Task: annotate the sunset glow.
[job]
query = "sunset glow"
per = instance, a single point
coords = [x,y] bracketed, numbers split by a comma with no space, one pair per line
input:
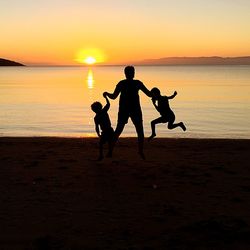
[90,56]
[46,32]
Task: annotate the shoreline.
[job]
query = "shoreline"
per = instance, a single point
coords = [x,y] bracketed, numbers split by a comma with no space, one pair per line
[188,193]
[120,138]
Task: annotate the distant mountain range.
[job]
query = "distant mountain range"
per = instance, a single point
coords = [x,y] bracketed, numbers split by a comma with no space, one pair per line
[213,60]
[5,62]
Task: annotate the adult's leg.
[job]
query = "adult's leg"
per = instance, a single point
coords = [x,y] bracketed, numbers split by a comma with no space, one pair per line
[153,123]
[121,122]
[110,143]
[119,128]
[140,134]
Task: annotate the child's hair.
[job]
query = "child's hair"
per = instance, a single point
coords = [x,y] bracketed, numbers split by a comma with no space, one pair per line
[96,106]
[155,91]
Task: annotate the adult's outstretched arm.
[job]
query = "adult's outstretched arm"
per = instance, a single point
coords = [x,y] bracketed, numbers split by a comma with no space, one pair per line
[114,94]
[145,90]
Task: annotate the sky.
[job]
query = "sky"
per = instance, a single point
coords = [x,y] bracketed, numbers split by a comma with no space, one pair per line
[65,32]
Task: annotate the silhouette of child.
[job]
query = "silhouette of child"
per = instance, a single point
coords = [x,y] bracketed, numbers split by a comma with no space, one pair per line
[167,115]
[102,120]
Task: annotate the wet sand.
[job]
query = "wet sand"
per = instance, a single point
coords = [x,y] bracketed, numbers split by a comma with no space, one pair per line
[187,194]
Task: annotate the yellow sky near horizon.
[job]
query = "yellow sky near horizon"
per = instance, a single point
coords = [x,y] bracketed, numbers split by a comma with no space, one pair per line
[56,31]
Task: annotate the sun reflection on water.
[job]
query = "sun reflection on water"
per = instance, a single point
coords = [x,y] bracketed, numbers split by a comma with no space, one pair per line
[90,79]
[90,85]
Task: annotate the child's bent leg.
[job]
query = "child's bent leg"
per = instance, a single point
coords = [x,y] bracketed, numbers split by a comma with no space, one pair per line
[183,126]
[153,123]
[172,125]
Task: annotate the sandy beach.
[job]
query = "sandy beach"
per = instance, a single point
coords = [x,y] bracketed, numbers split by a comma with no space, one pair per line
[187,194]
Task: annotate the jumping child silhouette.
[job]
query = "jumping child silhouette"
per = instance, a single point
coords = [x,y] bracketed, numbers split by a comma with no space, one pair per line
[102,119]
[167,115]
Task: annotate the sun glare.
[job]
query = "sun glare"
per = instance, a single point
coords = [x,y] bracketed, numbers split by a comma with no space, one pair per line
[90,56]
[90,60]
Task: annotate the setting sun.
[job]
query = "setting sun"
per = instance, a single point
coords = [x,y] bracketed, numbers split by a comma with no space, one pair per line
[90,56]
[90,60]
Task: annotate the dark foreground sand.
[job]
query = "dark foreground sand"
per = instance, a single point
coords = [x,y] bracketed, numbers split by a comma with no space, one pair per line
[188,194]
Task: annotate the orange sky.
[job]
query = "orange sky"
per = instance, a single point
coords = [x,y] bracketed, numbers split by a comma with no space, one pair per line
[57,31]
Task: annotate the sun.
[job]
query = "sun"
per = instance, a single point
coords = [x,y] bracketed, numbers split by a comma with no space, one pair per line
[90,60]
[90,56]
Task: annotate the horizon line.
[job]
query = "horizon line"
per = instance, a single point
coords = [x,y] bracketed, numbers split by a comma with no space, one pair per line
[123,65]
[156,62]
[149,62]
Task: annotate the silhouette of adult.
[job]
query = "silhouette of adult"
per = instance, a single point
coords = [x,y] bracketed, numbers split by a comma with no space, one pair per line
[129,105]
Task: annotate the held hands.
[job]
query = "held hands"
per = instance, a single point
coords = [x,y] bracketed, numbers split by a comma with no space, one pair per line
[105,95]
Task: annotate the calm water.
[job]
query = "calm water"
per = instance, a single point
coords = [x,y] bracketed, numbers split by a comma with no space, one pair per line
[213,101]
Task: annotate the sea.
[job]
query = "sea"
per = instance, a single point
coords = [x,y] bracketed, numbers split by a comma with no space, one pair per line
[212,101]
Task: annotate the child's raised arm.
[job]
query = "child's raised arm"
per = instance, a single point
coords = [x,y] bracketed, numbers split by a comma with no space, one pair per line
[172,96]
[107,106]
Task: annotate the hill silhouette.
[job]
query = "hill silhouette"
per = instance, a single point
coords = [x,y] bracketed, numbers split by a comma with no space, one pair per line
[5,62]
[213,60]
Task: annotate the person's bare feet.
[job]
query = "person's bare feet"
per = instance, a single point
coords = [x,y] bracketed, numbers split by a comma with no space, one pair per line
[183,126]
[151,137]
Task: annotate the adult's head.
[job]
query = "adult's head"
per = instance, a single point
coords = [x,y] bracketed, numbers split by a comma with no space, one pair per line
[129,72]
